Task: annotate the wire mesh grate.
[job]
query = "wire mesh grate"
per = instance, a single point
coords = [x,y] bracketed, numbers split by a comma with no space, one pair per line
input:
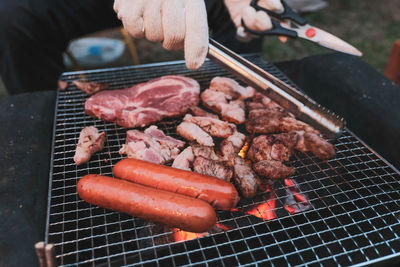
[351,216]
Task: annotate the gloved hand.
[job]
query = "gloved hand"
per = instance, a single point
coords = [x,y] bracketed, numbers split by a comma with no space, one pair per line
[255,20]
[176,23]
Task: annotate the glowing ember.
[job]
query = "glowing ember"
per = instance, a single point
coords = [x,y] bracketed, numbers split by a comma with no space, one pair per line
[180,236]
[242,152]
[265,210]
[295,201]
[223,227]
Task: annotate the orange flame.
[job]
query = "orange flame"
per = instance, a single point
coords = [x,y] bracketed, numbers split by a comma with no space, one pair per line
[242,152]
[264,210]
[180,235]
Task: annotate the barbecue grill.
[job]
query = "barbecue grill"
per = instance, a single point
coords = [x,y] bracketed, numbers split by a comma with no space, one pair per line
[344,211]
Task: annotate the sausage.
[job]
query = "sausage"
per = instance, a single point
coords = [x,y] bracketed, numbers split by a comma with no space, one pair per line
[174,210]
[220,194]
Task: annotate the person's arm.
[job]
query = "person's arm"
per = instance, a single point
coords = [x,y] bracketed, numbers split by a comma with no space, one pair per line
[183,23]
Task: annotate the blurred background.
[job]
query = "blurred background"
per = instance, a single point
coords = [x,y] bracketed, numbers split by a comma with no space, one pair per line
[370,25]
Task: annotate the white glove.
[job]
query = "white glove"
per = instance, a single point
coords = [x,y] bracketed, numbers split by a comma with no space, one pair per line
[254,20]
[176,23]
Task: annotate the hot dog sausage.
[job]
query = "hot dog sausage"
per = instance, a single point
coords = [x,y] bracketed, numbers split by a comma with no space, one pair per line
[167,208]
[220,194]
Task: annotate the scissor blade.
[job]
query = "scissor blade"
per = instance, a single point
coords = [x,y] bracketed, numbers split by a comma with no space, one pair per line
[326,39]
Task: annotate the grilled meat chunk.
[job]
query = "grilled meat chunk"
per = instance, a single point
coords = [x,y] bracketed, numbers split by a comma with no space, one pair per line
[191,132]
[90,141]
[183,160]
[273,169]
[231,87]
[90,88]
[212,168]
[196,111]
[269,147]
[213,127]
[231,146]
[317,145]
[280,146]
[204,151]
[245,178]
[275,121]
[219,102]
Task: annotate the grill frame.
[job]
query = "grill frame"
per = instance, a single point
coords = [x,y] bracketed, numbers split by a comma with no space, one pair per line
[350,148]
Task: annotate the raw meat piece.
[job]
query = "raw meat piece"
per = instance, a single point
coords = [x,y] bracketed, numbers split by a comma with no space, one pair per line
[273,169]
[90,142]
[191,132]
[196,111]
[90,88]
[231,87]
[246,179]
[213,127]
[183,160]
[145,103]
[152,145]
[212,168]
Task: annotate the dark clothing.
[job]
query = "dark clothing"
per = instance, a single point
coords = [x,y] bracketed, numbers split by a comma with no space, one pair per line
[35,33]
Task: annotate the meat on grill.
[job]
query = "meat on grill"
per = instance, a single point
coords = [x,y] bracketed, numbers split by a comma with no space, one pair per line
[90,88]
[204,151]
[152,145]
[184,159]
[269,147]
[316,145]
[231,87]
[212,168]
[231,146]
[273,169]
[213,127]
[275,120]
[263,101]
[219,102]
[193,132]
[245,178]
[196,111]
[280,146]
[145,103]
[90,141]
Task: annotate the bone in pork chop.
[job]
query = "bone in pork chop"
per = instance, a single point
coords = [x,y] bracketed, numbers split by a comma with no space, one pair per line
[213,127]
[90,141]
[145,103]
[152,146]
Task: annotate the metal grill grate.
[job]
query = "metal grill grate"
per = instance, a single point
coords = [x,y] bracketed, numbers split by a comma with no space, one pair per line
[353,217]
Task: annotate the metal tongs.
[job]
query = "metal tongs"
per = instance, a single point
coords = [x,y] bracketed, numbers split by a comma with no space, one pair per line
[303,107]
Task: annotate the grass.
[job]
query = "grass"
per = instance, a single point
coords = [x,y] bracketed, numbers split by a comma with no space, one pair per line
[371,26]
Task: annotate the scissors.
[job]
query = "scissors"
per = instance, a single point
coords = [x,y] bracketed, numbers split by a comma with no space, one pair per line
[288,23]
